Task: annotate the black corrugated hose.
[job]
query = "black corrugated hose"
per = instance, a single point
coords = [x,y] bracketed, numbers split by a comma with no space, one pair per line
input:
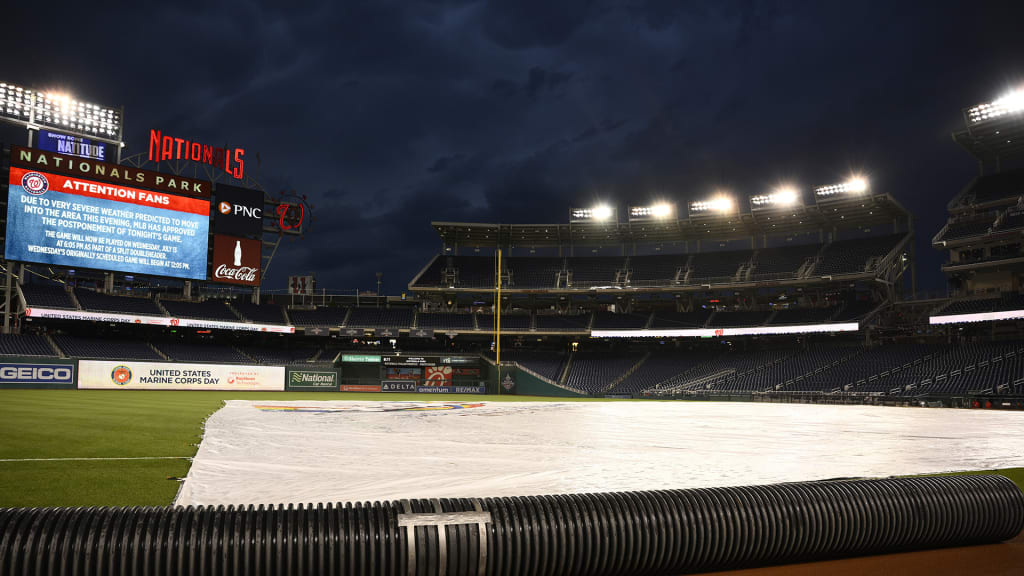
[657,532]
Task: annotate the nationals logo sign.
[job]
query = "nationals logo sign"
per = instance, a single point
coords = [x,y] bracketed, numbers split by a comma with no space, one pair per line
[236,260]
[437,376]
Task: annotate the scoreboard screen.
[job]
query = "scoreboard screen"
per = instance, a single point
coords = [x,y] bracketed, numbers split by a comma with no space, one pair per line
[83,223]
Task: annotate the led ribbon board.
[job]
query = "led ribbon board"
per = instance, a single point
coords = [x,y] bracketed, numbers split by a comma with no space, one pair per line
[977,317]
[80,223]
[711,332]
[154,320]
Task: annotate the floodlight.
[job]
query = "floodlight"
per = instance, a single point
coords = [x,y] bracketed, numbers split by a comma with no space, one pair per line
[601,212]
[720,203]
[659,211]
[855,185]
[57,110]
[783,196]
[1009,103]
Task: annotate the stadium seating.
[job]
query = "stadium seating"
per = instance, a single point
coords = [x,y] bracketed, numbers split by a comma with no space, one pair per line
[594,271]
[260,313]
[658,368]
[380,318]
[612,321]
[25,345]
[1009,301]
[208,310]
[596,371]
[512,321]
[549,364]
[567,323]
[782,262]
[855,256]
[717,266]
[106,349]
[47,296]
[533,272]
[1012,221]
[280,355]
[657,270]
[966,229]
[432,275]
[322,316]
[97,302]
[743,318]
[997,186]
[445,321]
[854,310]
[673,320]
[205,352]
[802,316]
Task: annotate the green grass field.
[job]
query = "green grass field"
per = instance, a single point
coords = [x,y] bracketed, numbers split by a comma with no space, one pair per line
[138,426]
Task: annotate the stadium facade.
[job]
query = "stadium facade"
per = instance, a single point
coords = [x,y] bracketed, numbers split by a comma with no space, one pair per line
[805,294]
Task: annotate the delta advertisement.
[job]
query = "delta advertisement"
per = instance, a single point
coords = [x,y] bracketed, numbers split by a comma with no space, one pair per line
[129,375]
[79,223]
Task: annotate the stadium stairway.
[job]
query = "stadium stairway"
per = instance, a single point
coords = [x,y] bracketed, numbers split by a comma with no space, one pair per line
[629,372]
[160,305]
[53,344]
[563,378]
[158,351]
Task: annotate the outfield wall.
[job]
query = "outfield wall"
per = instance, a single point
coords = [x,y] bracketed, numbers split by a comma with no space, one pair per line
[20,372]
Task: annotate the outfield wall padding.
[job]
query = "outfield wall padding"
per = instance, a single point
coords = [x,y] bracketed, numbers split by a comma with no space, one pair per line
[657,532]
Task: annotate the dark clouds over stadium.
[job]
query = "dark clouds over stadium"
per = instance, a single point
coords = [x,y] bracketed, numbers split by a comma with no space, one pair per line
[389,115]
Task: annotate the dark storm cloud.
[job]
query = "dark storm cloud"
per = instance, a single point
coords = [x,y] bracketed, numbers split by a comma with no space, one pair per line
[391,114]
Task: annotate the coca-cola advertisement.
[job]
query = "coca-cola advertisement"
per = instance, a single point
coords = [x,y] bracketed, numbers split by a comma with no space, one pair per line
[235,260]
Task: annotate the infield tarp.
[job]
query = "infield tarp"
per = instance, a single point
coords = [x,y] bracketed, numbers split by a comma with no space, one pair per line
[333,451]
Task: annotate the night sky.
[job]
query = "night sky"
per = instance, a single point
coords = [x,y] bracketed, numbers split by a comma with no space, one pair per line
[389,115]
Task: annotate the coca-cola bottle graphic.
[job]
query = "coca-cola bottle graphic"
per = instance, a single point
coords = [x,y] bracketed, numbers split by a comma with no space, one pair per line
[238,252]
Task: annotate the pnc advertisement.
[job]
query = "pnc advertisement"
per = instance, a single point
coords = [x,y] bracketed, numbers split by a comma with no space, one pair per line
[79,223]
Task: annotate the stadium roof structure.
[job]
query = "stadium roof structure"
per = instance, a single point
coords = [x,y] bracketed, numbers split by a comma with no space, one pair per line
[841,211]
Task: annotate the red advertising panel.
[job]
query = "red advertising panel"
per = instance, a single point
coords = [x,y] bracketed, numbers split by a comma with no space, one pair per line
[236,260]
[437,376]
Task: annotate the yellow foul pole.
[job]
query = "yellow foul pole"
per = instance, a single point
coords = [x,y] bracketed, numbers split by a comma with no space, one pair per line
[497,316]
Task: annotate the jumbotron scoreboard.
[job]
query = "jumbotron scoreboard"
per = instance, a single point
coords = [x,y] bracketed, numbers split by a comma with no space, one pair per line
[70,211]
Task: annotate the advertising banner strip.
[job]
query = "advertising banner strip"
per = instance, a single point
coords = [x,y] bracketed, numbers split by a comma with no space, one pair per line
[37,374]
[131,375]
[977,317]
[368,358]
[451,389]
[154,320]
[360,388]
[72,145]
[106,172]
[711,332]
[397,386]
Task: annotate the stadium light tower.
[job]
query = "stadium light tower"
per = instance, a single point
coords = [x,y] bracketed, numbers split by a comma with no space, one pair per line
[855,185]
[599,213]
[1010,103]
[34,110]
[657,211]
[720,204]
[784,196]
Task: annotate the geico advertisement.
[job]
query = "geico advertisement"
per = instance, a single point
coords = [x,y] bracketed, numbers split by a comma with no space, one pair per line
[96,374]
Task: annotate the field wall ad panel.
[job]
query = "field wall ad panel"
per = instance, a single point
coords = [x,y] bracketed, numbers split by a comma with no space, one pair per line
[67,221]
[114,317]
[727,332]
[130,375]
[28,372]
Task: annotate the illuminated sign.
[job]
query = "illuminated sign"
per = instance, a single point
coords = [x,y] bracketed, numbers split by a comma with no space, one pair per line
[231,160]
[977,317]
[78,223]
[73,166]
[113,317]
[72,145]
[239,211]
[721,332]
[236,260]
